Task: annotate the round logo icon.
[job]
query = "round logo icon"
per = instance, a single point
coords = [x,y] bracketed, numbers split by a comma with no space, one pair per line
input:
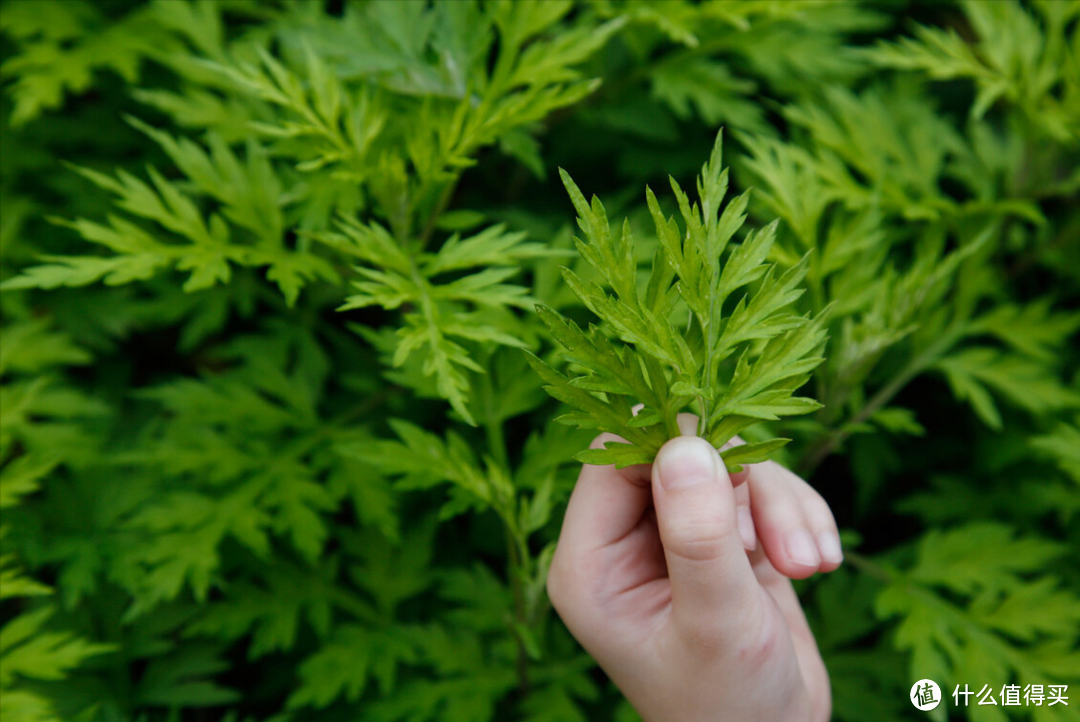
[925,695]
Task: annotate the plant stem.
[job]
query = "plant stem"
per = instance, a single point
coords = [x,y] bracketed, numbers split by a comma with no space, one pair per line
[830,441]
[350,603]
[493,429]
[517,551]
[440,207]
[868,566]
[817,292]
[515,573]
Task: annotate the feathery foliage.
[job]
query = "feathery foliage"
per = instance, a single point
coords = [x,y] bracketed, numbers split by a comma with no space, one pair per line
[283,282]
[666,366]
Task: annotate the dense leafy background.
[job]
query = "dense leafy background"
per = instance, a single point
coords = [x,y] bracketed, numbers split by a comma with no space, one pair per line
[270,446]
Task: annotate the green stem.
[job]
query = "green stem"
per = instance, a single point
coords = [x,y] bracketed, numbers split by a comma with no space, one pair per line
[516,572]
[710,342]
[348,602]
[440,207]
[517,550]
[817,292]
[830,441]
[493,429]
[867,565]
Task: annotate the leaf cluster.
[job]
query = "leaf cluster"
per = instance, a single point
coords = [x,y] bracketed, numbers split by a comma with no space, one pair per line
[739,309]
[271,447]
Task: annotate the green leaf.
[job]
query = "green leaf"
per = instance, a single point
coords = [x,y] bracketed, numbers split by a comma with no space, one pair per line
[438,323]
[616,453]
[1063,447]
[251,199]
[751,453]
[344,665]
[32,346]
[1012,59]
[27,650]
[984,626]
[424,460]
[1028,384]
[64,44]
[664,364]
[710,89]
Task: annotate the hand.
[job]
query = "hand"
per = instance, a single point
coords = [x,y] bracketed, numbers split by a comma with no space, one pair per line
[652,574]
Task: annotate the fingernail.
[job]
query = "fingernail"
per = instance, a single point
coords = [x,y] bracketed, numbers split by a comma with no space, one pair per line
[829,544]
[686,461]
[746,528]
[801,549]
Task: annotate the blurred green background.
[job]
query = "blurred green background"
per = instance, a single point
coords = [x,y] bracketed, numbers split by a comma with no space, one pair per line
[225,499]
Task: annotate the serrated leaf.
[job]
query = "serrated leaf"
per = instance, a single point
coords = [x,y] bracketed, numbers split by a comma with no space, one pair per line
[616,453]
[752,453]
[663,363]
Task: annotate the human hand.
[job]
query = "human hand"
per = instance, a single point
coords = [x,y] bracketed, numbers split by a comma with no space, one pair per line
[659,575]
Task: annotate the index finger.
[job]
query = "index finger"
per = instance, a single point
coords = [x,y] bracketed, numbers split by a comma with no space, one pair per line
[606,504]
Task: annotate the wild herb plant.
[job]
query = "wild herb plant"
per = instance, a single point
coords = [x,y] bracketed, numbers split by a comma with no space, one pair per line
[282,284]
[678,332]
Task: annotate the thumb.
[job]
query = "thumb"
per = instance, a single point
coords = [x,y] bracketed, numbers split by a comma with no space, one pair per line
[695,511]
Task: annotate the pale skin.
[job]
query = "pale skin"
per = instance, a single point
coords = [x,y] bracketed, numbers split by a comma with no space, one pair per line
[676,575]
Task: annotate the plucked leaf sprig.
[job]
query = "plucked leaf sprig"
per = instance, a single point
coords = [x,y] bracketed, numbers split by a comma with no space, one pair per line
[714,329]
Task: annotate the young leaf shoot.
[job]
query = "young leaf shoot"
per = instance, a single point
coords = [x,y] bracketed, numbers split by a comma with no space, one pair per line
[712,330]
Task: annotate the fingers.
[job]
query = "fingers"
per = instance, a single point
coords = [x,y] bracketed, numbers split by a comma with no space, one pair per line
[742,502]
[745,517]
[606,504]
[806,650]
[712,584]
[795,525]
[606,507]
[688,425]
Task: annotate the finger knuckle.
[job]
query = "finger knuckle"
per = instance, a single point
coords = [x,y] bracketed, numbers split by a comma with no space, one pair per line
[699,541]
[688,423]
[818,510]
[783,516]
